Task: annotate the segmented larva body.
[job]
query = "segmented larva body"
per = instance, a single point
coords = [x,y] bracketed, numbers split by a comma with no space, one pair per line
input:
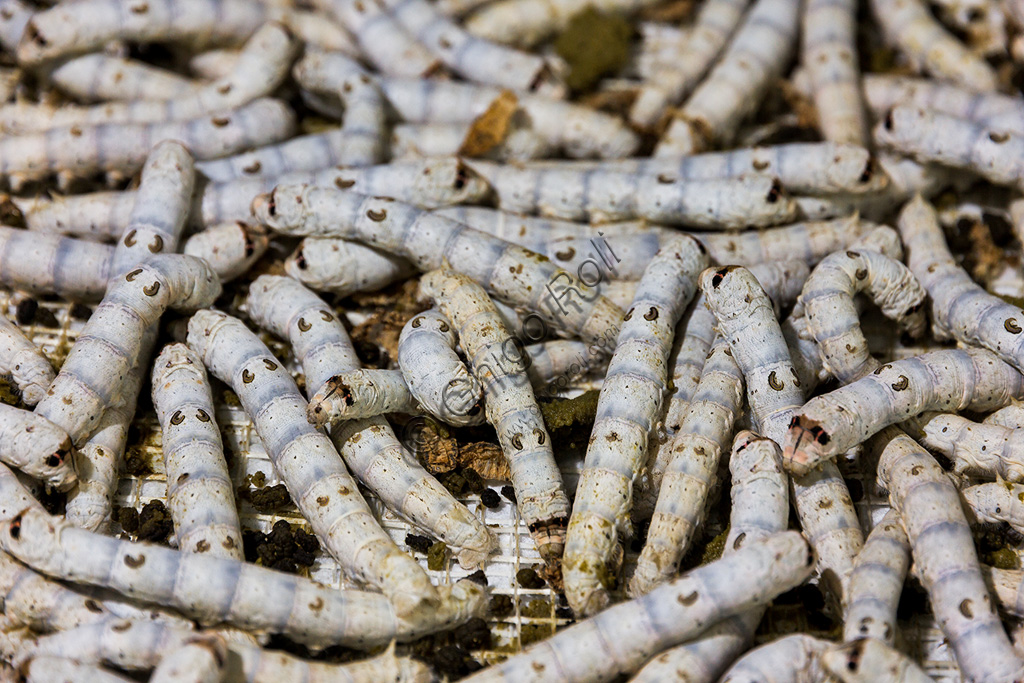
[624,636]
[66,30]
[229,248]
[599,195]
[554,364]
[927,136]
[301,154]
[869,659]
[1011,416]
[959,307]
[705,39]
[438,379]
[323,490]
[629,404]
[945,559]
[360,393]
[755,57]
[829,53]
[162,203]
[24,362]
[883,92]
[383,41]
[525,279]
[343,267]
[791,658]
[99,78]
[264,666]
[526,22]
[101,216]
[980,450]
[81,150]
[510,405]
[199,489]
[951,380]
[261,67]
[201,659]
[50,264]
[996,502]
[876,582]
[521,143]
[94,373]
[1005,586]
[43,669]
[908,25]
[833,318]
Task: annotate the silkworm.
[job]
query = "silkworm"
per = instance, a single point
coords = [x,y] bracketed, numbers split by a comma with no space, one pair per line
[996,502]
[755,57]
[81,150]
[628,406]
[42,669]
[437,378]
[945,559]
[791,658]
[162,202]
[65,30]
[521,143]
[829,53]
[360,393]
[229,248]
[199,489]
[876,582]
[201,659]
[523,278]
[959,308]
[526,22]
[1011,416]
[71,268]
[869,659]
[832,316]
[262,66]
[99,77]
[265,666]
[99,216]
[384,42]
[24,362]
[96,367]
[951,380]
[323,490]
[510,405]
[883,92]
[1005,585]
[624,636]
[981,450]
[908,25]
[597,195]
[344,267]
[712,27]
[36,446]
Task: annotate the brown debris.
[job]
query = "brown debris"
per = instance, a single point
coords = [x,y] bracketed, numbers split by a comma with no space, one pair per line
[492,127]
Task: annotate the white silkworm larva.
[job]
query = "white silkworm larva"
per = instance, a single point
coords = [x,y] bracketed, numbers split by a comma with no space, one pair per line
[229,248]
[621,638]
[99,216]
[951,380]
[1005,586]
[867,660]
[980,450]
[343,267]
[322,488]
[383,41]
[360,393]
[832,316]
[74,269]
[876,582]
[368,446]
[829,53]
[87,27]
[791,659]
[705,39]
[996,502]
[629,404]
[822,501]
[49,669]
[959,308]
[304,153]
[25,362]
[511,273]
[945,559]
[36,446]
[1011,416]
[521,143]
[511,406]
[199,488]
[908,25]
[201,659]
[262,67]
[98,77]
[438,379]
[95,370]
[928,136]
[80,150]
[162,203]
[597,195]
[883,92]
[755,57]
[526,22]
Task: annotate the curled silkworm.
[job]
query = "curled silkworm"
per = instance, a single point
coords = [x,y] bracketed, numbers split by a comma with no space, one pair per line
[51,264]
[829,53]
[24,362]
[791,658]
[36,446]
[876,582]
[996,502]
[869,659]
[343,267]
[99,77]
[229,248]
[628,406]
[360,393]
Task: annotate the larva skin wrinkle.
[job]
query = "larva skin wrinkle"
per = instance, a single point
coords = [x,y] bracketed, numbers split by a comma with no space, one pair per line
[84,150]
[36,446]
[1011,416]
[230,248]
[50,264]
[510,404]
[877,582]
[628,406]
[829,53]
[344,267]
[950,380]
[756,55]
[959,308]
[199,489]
[94,373]
[317,479]
[621,638]
[360,393]
[867,660]
[99,77]
[42,669]
[515,275]
[368,446]
[437,377]
[945,559]
[261,67]
[984,108]
[791,659]
[24,362]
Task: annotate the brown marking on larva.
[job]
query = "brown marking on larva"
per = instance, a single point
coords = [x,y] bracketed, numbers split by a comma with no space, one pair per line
[344,184]
[416,322]
[67,400]
[135,562]
[177,418]
[517,441]
[739,540]
[202,415]
[202,545]
[687,600]
[130,277]
[665,179]
[15,527]
[54,460]
[271,365]
[853,254]
[317,604]
[861,274]
[901,384]
[651,314]
[229,543]
[323,500]
[444,43]
[612,437]
[878,371]
[998,138]
[1011,326]
[224,89]
[376,216]
[252,168]
[129,238]
[965,608]
[157,245]
[444,327]
[719,275]
[182,478]
[796,378]
[868,172]
[220,121]
[850,348]
[537,666]
[856,652]
[761,164]
[152,289]
[539,433]
[916,470]
[824,504]
[76,131]
[774,382]
[94,606]
[629,314]
[565,255]
[303,325]
[140,8]
[326,316]
[121,626]
[247,376]
[775,193]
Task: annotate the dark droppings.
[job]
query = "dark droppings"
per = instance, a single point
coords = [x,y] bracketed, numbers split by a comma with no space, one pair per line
[26,311]
[155,524]
[45,318]
[509,493]
[286,548]
[128,518]
[490,499]
[437,556]
[270,498]
[80,312]
[473,635]
[500,606]
[419,544]
[528,578]
[478,577]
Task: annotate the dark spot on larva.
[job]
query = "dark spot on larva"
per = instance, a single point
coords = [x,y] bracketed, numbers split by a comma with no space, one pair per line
[130,277]
[739,540]
[761,165]
[253,168]
[775,192]
[121,626]
[965,608]
[443,327]
[344,184]
[53,460]
[416,322]
[901,384]
[517,441]
[688,600]
[868,172]
[541,436]
[317,604]
[140,8]
[152,289]
[135,562]
[565,255]
[719,275]
[853,254]
[177,418]
[224,89]
[665,179]
[76,131]
[229,543]
[651,314]
[202,546]
[537,666]
[774,382]
[220,121]
[94,606]
[247,376]
[916,470]
[824,504]
[629,315]
[157,245]
[861,274]
[182,478]
[322,500]
[376,216]
[326,317]
[1011,326]
[271,365]
[888,123]
[202,415]
[15,528]
[129,238]
[998,138]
